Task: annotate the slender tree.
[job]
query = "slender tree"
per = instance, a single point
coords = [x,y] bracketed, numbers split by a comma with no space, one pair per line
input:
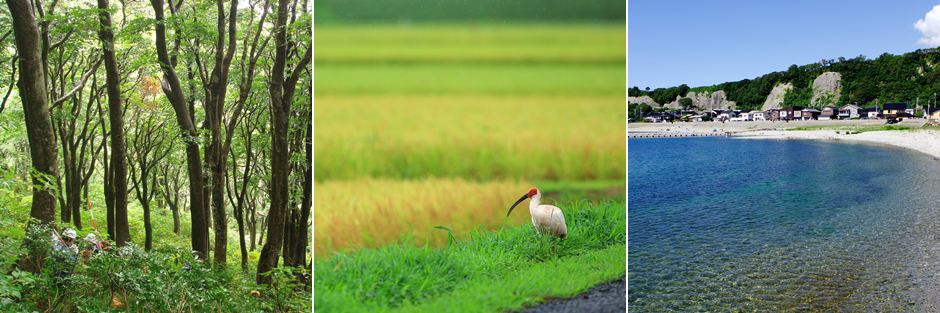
[33,94]
[281,89]
[118,164]
[173,184]
[147,149]
[174,92]
[79,154]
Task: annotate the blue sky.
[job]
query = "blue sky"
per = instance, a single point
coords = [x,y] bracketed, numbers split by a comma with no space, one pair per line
[703,43]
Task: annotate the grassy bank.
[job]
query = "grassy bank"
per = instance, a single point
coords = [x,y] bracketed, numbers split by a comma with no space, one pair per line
[488,272]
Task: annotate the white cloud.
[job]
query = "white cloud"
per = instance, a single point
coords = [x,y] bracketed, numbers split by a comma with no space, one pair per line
[930,27]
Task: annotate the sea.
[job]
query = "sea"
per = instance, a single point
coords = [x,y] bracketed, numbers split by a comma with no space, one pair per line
[725,224]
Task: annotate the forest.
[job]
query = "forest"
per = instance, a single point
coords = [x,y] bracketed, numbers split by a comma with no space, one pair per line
[888,78]
[155,156]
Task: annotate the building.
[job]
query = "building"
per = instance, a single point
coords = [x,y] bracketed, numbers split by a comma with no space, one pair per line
[849,111]
[787,113]
[726,115]
[809,114]
[932,113]
[759,116]
[895,110]
[774,114]
[829,113]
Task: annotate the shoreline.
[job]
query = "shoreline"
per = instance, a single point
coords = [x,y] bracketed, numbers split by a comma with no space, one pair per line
[922,140]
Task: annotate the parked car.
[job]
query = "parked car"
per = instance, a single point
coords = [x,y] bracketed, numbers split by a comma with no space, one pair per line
[892,121]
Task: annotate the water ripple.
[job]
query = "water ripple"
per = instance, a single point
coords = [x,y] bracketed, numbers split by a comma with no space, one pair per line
[719,224]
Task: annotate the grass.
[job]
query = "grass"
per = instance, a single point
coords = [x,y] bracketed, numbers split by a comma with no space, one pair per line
[453,43]
[488,272]
[469,79]
[433,131]
[855,129]
[373,212]
[476,138]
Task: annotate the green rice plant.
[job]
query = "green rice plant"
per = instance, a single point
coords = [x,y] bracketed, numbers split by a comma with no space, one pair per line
[475,137]
[470,79]
[488,271]
[452,43]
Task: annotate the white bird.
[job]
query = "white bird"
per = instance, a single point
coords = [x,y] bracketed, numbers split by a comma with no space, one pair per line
[545,218]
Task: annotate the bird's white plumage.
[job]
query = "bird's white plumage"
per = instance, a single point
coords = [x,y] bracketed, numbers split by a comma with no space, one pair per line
[547,218]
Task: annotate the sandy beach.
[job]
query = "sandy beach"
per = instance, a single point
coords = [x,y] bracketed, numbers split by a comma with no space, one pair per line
[925,141]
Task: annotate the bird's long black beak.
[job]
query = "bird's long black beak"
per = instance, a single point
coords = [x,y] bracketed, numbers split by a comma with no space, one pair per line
[517,202]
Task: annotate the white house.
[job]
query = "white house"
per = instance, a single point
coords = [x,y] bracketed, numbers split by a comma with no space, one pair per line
[759,116]
[849,111]
[726,115]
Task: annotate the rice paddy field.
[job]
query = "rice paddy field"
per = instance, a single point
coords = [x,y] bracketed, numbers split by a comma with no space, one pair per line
[425,135]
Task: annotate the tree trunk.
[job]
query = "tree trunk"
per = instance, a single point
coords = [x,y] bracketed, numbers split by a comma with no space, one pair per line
[145,203]
[174,91]
[42,147]
[279,159]
[239,208]
[281,92]
[122,233]
[252,225]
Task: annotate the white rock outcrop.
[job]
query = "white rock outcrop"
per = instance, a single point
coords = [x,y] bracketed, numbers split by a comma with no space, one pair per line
[705,101]
[643,99]
[826,89]
[775,98]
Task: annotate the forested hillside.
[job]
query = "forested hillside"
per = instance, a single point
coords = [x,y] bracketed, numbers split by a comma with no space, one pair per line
[888,78]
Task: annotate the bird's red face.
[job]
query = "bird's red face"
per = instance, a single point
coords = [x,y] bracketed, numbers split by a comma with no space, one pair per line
[531,193]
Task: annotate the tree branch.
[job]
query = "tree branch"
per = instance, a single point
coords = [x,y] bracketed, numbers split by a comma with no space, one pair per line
[12,82]
[80,85]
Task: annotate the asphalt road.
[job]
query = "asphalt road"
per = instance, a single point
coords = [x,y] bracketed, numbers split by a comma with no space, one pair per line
[609,297]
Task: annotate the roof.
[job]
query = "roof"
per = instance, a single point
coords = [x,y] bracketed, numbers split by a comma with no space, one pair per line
[849,106]
[895,106]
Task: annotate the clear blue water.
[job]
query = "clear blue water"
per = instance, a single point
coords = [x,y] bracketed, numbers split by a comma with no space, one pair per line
[730,224]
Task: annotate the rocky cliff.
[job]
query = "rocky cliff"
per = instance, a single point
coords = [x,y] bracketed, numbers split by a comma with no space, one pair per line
[826,89]
[776,97]
[643,99]
[705,101]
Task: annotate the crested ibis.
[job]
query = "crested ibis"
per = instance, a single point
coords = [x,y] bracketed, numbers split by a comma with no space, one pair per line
[545,218]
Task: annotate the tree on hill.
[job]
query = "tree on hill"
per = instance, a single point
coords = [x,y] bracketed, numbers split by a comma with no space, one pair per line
[686,103]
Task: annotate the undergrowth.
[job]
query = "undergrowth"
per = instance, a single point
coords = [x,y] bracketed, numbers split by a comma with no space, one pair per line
[129,279]
[403,275]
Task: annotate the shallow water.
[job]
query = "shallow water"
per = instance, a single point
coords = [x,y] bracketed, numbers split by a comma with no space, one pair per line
[725,224]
